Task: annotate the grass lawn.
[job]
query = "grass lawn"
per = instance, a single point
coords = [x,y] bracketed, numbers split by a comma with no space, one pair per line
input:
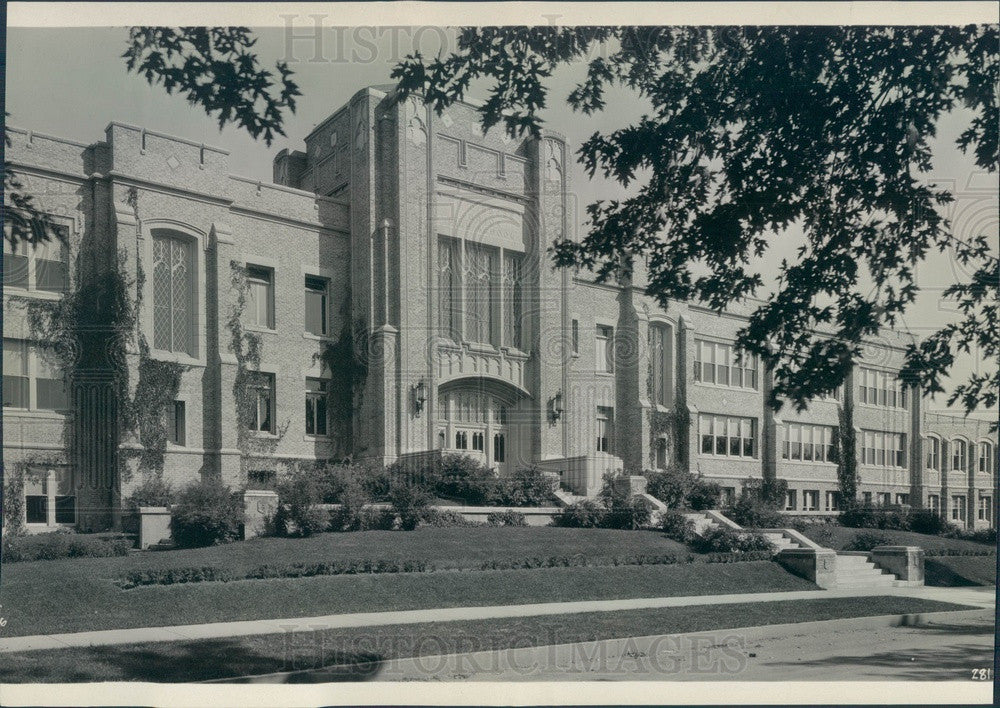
[79,594]
[959,571]
[363,650]
[837,537]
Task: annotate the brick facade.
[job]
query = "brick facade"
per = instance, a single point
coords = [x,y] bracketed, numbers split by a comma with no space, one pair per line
[403,212]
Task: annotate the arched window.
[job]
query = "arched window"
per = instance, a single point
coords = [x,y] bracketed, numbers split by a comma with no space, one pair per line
[986,457]
[959,455]
[933,453]
[173,293]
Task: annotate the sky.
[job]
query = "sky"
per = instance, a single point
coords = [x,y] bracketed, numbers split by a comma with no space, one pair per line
[77,99]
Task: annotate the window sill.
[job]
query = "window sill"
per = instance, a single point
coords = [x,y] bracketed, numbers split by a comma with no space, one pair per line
[36,414]
[317,438]
[263,435]
[811,463]
[316,337]
[33,294]
[726,387]
[709,456]
[175,357]
[259,330]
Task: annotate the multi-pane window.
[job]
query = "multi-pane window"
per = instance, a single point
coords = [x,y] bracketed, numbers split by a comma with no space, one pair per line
[605,423]
[662,453]
[173,294]
[959,455]
[316,301]
[880,388]
[809,443]
[575,336]
[604,352]
[260,297]
[719,363]
[49,497]
[790,500]
[882,449]
[43,266]
[261,402]
[933,454]
[659,364]
[934,502]
[958,507]
[176,415]
[902,499]
[810,500]
[883,498]
[480,278]
[513,312]
[32,377]
[832,501]
[986,457]
[727,436]
[985,508]
[449,287]
[866,497]
[317,397]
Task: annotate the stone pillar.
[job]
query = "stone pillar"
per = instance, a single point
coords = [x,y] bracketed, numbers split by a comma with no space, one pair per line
[220,407]
[905,562]
[916,461]
[945,490]
[259,508]
[630,485]
[816,564]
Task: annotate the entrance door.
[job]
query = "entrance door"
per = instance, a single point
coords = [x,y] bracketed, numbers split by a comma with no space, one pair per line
[475,424]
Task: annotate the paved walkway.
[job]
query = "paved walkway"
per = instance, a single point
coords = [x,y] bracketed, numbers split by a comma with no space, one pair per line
[979,597]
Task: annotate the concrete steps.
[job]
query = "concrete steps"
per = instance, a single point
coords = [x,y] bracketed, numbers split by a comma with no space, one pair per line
[860,572]
[780,541]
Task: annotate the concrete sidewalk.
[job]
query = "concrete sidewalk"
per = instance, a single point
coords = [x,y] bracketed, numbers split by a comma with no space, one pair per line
[978,597]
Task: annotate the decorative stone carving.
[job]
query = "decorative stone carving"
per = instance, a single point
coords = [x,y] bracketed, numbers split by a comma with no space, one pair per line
[553,161]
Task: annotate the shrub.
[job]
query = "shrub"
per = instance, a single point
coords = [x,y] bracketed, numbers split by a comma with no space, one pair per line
[978,536]
[677,526]
[409,504]
[927,521]
[631,513]
[352,497]
[722,539]
[752,512]
[506,518]
[298,496]
[440,518]
[173,576]
[867,540]
[528,486]
[153,491]
[206,513]
[584,514]
[671,486]
[56,545]
[870,516]
[704,495]
[377,519]
[464,478]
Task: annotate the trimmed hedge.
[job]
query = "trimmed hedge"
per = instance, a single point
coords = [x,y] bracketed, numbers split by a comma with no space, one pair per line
[506,518]
[206,513]
[722,539]
[56,545]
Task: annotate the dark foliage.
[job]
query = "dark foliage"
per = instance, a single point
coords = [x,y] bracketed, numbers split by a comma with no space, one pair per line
[867,540]
[206,513]
[506,518]
[584,514]
[53,546]
[722,539]
[677,526]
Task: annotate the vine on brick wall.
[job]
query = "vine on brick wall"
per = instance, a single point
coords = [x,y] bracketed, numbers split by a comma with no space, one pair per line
[14,478]
[247,347]
[847,469]
[348,369]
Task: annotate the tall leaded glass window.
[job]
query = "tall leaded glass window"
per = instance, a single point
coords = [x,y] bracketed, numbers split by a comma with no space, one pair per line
[480,274]
[173,294]
[513,305]
[449,287]
[659,364]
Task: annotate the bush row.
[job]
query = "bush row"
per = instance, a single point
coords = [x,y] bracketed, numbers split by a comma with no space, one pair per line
[678,488]
[900,518]
[52,546]
[172,576]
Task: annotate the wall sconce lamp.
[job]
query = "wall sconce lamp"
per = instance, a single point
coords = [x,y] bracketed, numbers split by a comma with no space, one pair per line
[556,406]
[419,396]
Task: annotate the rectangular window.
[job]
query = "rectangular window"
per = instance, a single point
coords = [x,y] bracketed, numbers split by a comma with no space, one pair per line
[43,266]
[173,294]
[260,296]
[985,458]
[728,436]
[810,500]
[933,453]
[605,422]
[832,501]
[449,287]
[866,497]
[480,274]
[659,364]
[790,500]
[884,499]
[15,263]
[698,359]
[50,497]
[604,354]
[317,396]
[316,302]
[959,455]
[903,499]
[513,313]
[719,363]
[985,508]
[32,377]
[880,388]
[934,502]
[958,508]
[176,416]
[575,333]
[15,373]
[661,454]
[884,449]
[261,395]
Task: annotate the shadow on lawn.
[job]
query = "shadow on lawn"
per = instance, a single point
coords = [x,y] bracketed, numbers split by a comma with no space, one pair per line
[187,662]
[938,574]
